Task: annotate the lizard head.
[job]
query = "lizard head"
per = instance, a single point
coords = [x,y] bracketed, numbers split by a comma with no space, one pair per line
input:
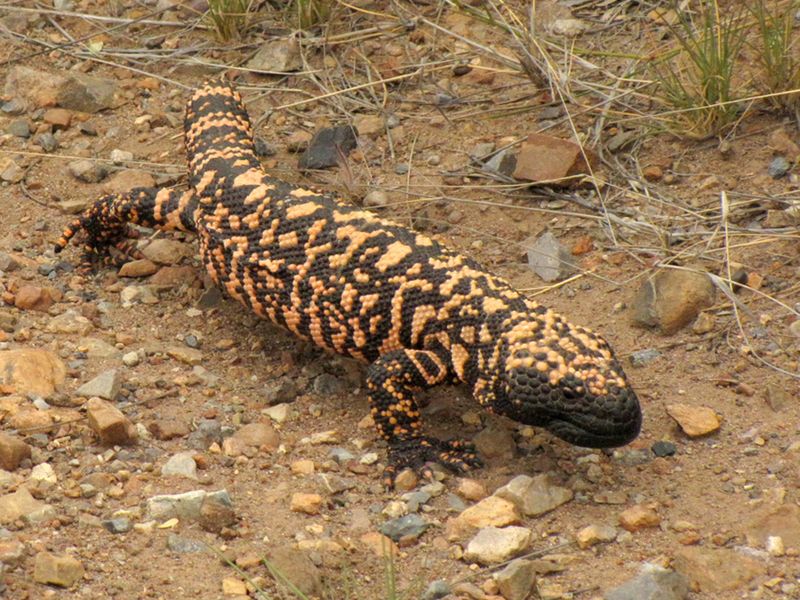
[565,378]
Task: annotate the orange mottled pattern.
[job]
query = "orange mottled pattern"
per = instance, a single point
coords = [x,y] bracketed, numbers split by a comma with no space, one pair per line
[364,287]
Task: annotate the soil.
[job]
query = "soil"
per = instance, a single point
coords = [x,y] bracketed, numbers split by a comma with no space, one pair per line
[716,483]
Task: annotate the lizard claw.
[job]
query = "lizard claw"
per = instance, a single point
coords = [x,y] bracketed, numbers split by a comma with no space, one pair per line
[420,452]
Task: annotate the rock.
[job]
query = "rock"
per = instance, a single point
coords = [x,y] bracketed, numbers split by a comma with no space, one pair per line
[534,496]
[653,583]
[653,173]
[208,432]
[186,355]
[783,521]
[253,435]
[138,268]
[369,125]
[106,386]
[277,56]
[404,529]
[88,171]
[548,258]
[672,299]
[32,297]
[595,534]
[376,199]
[492,511]
[782,143]
[493,545]
[187,506]
[30,371]
[12,451]
[165,251]
[97,348]
[217,512]
[127,179]
[470,489]
[517,581]
[181,464]
[117,526]
[231,586]
[11,172]
[184,545]
[108,422]
[544,159]
[306,503]
[328,147]
[436,590]
[21,505]
[59,118]
[640,358]
[716,570]
[495,443]
[279,413]
[695,421]
[639,517]
[168,429]
[19,128]
[57,569]
[12,553]
[8,263]
[663,448]
[69,322]
[175,276]
[298,141]
[778,167]
[288,565]
[379,544]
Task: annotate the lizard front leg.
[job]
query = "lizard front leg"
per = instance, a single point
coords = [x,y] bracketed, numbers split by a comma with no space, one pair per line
[105,225]
[391,381]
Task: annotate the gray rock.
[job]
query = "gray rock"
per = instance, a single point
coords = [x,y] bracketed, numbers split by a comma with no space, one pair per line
[19,128]
[517,580]
[181,464]
[329,385]
[186,506]
[120,525]
[653,583]
[22,505]
[88,171]
[495,443]
[183,545]
[534,496]
[208,431]
[86,93]
[407,527]
[640,358]
[494,545]
[281,392]
[328,147]
[47,141]
[340,455]
[277,56]
[672,299]
[106,386]
[548,258]
[778,167]
[436,590]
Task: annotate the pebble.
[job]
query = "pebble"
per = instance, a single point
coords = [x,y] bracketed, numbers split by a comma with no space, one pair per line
[108,422]
[297,568]
[186,506]
[714,570]
[663,448]
[32,297]
[217,512]
[12,451]
[495,443]
[69,322]
[309,504]
[119,157]
[471,490]
[106,385]
[493,545]
[47,141]
[404,529]
[279,413]
[406,480]
[19,128]
[43,473]
[22,505]
[278,55]
[534,496]
[59,118]
[653,583]
[138,268]
[328,146]
[87,171]
[131,359]
[517,580]
[548,258]
[232,586]
[181,464]
[492,511]
[164,251]
[778,167]
[184,545]
[186,355]
[62,570]
[595,534]
[640,358]
[168,429]
[695,421]
[672,299]
[375,199]
[119,525]
[639,517]
[252,435]
[436,590]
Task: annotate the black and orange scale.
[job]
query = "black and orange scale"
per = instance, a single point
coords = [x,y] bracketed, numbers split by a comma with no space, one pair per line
[364,287]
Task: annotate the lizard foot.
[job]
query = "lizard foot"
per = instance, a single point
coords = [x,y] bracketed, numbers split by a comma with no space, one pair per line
[418,453]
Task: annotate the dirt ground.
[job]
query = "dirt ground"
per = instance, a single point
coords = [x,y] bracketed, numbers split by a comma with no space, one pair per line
[708,496]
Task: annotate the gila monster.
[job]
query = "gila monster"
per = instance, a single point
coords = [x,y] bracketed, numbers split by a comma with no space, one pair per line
[364,287]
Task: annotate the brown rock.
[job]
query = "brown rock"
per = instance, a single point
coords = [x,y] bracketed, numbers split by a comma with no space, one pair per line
[22,505]
[672,299]
[59,118]
[653,173]
[695,421]
[216,513]
[489,512]
[471,490]
[288,564]
[174,276]
[138,268]
[380,545]
[544,159]
[168,429]
[184,354]
[30,371]
[12,451]
[32,297]
[258,435]
[713,571]
[782,143]
[108,422]
[127,179]
[595,534]
[309,504]
[165,251]
[61,570]
[369,125]
[298,141]
[639,517]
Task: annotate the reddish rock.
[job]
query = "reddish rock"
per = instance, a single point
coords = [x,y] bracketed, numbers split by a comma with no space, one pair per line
[550,160]
[167,429]
[30,370]
[639,517]
[59,118]
[174,276]
[138,268]
[32,297]
[108,422]
[12,451]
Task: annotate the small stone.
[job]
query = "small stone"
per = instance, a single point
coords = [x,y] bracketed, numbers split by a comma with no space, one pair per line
[57,569]
[776,396]
[88,171]
[47,141]
[43,475]
[293,566]
[280,55]
[595,534]
[517,580]
[125,180]
[406,480]
[119,157]
[640,358]
[183,545]
[108,422]
[106,386]
[138,268]
[639,517]
[309,504]
[471,490]
[165,251]
[181,464]
[32,297]
[695,421]
[12,553]
[255,435]
[492,511]
[69,322]
[328,147]
[119,525]
[548,258]
[775,545]
[495,443]
[778,167]
[59,118]
[672,299]
[653,583]
[547,160]
[11,172]
[405,529]
[233,586]
[534,496]
[170,277]
[186,355]
[436,590]
[663,448]
[217,512]
[168,429]
[298,141]
[369,125]
[493,545]
[279,413]
[184,506]
[704,323]
[12,451]
[22,505]
[376,199]
[302,467]
[653,173]
[19,128]
[131,359]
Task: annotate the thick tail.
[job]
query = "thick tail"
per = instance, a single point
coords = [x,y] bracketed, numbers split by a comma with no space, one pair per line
[105,222]
[218,134]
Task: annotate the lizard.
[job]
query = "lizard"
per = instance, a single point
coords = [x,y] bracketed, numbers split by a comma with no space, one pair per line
[417,313]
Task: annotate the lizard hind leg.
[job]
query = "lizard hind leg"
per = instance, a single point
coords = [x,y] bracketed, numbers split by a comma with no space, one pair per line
[391,381]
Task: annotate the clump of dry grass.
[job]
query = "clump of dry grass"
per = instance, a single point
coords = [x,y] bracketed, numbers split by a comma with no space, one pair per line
[776,51]
[229,18]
